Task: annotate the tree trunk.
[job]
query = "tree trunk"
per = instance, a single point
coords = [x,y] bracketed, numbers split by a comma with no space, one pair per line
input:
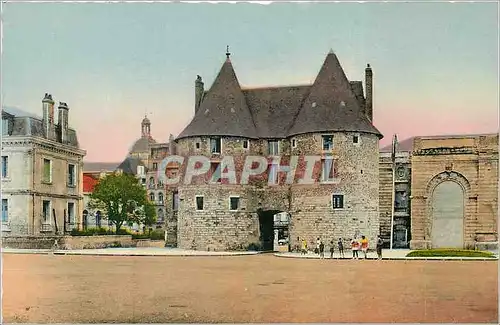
[118,226]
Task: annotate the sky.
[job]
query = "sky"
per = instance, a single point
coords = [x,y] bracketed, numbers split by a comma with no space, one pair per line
[435,65]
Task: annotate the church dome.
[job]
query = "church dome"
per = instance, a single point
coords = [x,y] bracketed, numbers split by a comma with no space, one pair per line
[142,144]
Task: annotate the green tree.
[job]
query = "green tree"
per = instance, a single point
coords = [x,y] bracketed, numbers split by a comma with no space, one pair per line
[145,214]
[121,197]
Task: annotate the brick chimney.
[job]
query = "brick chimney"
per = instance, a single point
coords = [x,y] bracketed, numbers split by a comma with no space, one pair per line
[63,122]
[48,117]
[198,93]
[369,92]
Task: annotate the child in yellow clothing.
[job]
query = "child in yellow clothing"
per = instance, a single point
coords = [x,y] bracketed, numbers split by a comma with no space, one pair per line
[364,245]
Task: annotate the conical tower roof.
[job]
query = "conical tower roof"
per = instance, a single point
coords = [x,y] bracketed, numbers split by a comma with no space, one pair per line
[331,104]
[224,111]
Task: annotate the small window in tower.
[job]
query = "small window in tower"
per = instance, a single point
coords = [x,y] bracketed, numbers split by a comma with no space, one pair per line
[294,143]
[338,201]
[199,203]
[245,144]
[355,139]
[197,145]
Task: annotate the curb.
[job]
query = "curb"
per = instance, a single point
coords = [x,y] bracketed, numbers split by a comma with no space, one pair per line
[152,254]
[398,258]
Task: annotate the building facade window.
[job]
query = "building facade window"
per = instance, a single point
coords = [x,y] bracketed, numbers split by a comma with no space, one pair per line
[215,171]
[234,203]
[5,166]
[274,148]
[151,182]
[155,166]
[98,218]
[199,203]
[71,175]
[327,142]
[245,144]
[5,126]
[160,198]
[294,143]
[46,211]
[355,139]
[327,170]
[215,145]
[5,210]
[71,212]
[338,201]
[85,219]
[47,170]
[175,201]
[272,177]
[151,197]
[161,216]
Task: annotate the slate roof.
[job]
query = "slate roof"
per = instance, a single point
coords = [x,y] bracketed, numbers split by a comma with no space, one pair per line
[97,167]
[129,165]
[280,112]
[331,104]
[224,109]
[29,124]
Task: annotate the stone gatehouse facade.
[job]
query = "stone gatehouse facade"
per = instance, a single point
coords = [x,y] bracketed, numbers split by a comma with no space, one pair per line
[446,192]
[330,119]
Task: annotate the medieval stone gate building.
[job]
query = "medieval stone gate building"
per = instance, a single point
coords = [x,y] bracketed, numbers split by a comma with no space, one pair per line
[331,119]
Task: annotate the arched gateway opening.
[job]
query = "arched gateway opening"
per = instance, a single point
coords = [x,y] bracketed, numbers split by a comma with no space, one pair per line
[273,229]
[448,215]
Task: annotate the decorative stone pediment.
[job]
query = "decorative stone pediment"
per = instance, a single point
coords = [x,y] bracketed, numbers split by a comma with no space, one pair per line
[444,151]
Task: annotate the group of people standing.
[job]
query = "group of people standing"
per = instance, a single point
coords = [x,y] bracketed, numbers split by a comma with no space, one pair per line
[356,246]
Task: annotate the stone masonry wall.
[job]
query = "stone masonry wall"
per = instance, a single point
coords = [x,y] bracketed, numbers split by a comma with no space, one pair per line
[217,228]
[478,164]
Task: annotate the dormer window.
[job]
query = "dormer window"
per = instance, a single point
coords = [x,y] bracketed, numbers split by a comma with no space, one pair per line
[215,145]
[274,148]
[327,142]
[5,126]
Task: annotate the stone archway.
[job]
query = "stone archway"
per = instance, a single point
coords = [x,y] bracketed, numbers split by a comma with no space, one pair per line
[446,218]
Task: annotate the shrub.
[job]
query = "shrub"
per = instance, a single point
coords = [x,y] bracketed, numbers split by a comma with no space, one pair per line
[450,253]
[157,234]
[140,236]
[98,231]
[254,247]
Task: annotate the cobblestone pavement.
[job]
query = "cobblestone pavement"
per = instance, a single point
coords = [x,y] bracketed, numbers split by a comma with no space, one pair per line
[40,288]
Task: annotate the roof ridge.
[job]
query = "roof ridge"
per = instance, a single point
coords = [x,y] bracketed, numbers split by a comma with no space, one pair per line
[275,87]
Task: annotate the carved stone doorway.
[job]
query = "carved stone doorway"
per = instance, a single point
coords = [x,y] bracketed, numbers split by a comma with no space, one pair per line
[448,215]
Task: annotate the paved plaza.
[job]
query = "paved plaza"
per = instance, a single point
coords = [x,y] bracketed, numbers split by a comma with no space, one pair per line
[254,288]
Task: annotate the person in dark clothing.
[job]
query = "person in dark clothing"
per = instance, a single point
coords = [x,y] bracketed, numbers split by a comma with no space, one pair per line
[321,250]
[331,249]
[380,243]
[341,248]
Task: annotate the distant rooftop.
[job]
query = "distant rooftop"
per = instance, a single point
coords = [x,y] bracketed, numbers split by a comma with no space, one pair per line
[97,167]
[407,144]
[19,112]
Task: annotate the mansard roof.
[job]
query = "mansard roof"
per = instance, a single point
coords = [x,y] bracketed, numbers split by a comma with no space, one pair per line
[331,103]
[224,109]
[24,123]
